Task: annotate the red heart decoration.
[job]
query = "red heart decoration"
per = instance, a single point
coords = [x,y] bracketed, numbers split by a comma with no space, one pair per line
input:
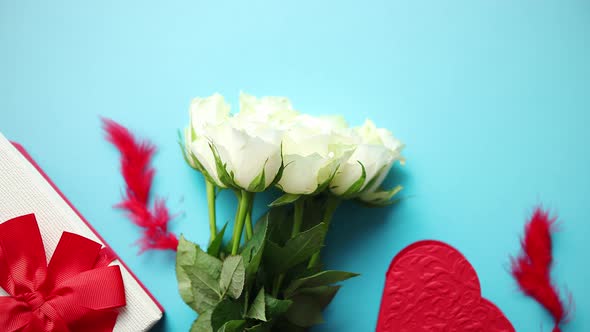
[431,287]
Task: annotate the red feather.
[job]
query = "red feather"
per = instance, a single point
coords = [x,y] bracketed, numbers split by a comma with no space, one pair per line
[532,268]
[138,174]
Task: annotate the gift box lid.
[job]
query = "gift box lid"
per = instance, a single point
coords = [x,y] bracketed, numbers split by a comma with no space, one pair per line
[25,189]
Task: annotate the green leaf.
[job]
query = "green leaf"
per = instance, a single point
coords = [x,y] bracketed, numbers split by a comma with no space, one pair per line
[319,279]
[356,187]
[198,275]
[376,177]
[185,255]
[225,177]
[204,288]
[286,326]
[225,311]
[323,186]
[185,153]
[232,326]
[233,276]
[276,307]
[258,308]
[281,170]
[296,250]
[203,323]
[266,307]
[382,198]
[259,182]
[315,209]
[215,245]
[285,199]
[253,249]
[262,327]
[305,312]
[322,295]
[302,271]
[280,224]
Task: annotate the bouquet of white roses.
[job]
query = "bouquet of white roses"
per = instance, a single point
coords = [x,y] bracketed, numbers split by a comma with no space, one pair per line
[269,277]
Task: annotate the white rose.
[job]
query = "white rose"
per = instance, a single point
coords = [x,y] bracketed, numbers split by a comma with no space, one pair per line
[313,148]
[377,151]
[243,151]
[204,113]
[249,152]
[213,110]
[276,112]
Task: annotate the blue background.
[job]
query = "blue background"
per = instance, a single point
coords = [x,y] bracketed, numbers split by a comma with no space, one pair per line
[491,98]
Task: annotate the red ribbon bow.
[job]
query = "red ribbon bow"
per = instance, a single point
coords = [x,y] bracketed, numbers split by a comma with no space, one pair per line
[77,291]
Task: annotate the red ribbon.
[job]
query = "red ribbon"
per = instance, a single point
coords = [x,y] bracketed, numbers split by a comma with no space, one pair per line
[77,291]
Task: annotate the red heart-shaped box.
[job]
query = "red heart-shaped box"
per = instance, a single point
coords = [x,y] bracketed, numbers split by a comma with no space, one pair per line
[431,286]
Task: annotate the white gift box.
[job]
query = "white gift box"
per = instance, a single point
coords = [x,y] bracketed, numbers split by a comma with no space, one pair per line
[25,189]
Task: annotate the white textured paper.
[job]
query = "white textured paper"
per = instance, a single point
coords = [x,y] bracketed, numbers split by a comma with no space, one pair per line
[23,190]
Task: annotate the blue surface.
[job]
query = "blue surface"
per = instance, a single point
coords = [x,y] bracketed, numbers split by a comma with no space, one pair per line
[491,97]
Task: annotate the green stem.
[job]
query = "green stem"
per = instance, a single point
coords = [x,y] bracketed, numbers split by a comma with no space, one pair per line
[277,285]
[211,205]
[244,201]
[331,205]
[297,217]
[297,222]
[249,218]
